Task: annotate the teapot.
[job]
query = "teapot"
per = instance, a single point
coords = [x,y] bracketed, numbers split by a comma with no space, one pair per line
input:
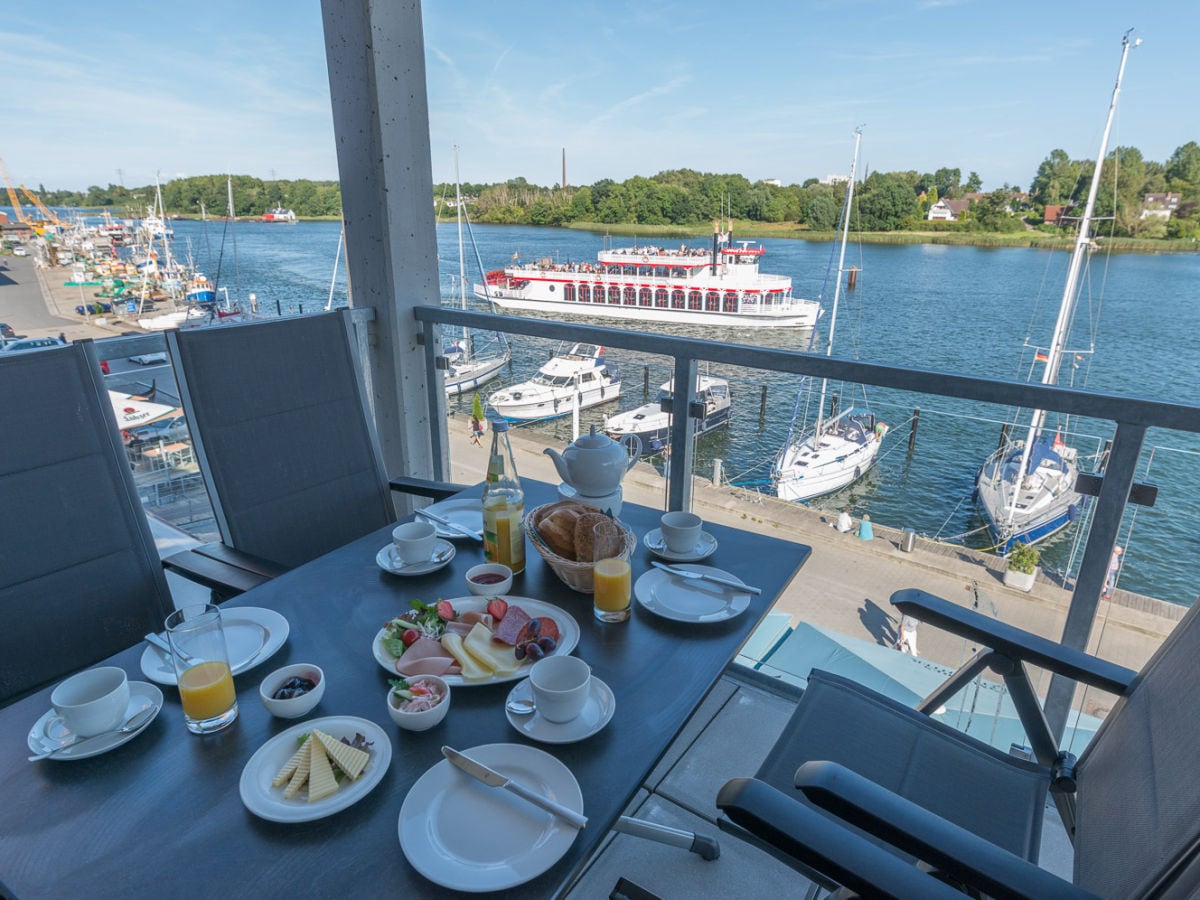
[595,464]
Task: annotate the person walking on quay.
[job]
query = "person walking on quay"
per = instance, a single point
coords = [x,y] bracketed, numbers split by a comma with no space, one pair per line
[907,641]
[476,431]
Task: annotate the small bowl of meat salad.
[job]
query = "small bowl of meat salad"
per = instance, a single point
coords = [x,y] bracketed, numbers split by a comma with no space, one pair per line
[418,702]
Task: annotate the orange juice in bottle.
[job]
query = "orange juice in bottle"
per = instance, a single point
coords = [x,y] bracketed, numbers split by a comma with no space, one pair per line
[503,504]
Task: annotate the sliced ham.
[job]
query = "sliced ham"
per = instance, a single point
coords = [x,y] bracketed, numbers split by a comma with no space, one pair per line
[426,657]
[470,618]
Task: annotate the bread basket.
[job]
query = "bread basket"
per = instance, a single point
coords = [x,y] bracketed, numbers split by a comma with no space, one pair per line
[575,575]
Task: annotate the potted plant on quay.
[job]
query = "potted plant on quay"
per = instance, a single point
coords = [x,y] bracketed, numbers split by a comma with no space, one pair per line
[1022,567]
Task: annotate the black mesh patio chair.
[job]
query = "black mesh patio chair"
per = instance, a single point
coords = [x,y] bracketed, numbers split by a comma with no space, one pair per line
[80,578]
[285,442]
[881,786]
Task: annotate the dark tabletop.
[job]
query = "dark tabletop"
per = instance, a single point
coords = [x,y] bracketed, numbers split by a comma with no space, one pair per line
[163,812]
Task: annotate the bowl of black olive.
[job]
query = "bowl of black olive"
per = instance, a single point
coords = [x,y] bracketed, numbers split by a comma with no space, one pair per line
[292,691]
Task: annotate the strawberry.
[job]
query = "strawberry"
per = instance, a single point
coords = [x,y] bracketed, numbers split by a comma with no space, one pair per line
[445,610]
[497,608]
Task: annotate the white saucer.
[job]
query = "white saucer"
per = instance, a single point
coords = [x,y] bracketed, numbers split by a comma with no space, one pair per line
[443,552]
[252,634]
[460,511]
[688,600]
[705,547]
[141,696]
[597,711]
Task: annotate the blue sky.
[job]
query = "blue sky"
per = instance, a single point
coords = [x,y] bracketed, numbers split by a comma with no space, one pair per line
[92,93]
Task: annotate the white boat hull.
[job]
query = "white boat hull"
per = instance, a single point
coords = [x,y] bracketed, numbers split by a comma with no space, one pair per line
[797,314]
[842,455]
[524,403]
[465,376]
[1044,503]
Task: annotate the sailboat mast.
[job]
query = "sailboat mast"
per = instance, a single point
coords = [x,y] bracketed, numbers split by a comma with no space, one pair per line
[837,282]
[1066,309]
[462,265]
[237,274]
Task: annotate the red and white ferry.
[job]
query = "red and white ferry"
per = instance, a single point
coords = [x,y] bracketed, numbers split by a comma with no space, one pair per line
[721,286]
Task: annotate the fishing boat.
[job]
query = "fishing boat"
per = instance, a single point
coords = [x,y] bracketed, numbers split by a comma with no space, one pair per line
[1026,488]
[465,369]
[653,426]
[720,285]
[200,291]
[839,450]
[280,216]
[577,379]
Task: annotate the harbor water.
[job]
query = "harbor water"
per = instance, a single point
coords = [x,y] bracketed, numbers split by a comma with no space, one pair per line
[963,310]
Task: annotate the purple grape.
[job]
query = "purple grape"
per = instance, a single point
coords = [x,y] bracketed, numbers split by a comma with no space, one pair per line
[519,650]
[547,644]
[534,651]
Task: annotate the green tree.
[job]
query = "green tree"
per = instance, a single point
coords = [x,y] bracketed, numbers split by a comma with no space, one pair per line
[1056,179]
[885,202]
[947,181]
[1183,168]
[974,183]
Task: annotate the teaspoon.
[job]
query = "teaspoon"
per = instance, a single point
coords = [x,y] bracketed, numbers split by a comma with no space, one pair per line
[133,723]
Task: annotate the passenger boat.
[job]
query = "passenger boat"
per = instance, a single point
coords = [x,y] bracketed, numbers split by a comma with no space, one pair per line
[653,426]
[580,377]
[1026,488]
[717,286]
[839,450]
[279,215]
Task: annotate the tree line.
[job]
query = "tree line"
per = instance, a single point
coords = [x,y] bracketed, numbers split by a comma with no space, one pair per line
[884,201]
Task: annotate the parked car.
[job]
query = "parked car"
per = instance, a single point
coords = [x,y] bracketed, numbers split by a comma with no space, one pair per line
[6,331]
[149,359]
[31,344]
[172,429]
[20,251]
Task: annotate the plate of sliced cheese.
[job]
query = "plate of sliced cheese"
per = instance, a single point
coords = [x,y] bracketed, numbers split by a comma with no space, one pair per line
[307,772]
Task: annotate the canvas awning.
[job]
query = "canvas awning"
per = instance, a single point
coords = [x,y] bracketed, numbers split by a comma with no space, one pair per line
[133,412]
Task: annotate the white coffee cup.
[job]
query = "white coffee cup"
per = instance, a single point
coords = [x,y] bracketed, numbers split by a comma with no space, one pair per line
[681,531]
[92,701]
[414,541]
[560,685]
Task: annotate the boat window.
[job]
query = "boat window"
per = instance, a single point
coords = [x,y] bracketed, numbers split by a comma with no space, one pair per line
[644,297]
[660,298]
[614,294]
[694,299]
[712,302]
[630,296]
[731,301]
[587,376]
[585,293]
[677,299]
[569,293]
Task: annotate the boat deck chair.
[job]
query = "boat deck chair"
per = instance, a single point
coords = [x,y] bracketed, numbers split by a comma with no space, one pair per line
[80,578]
[858,787]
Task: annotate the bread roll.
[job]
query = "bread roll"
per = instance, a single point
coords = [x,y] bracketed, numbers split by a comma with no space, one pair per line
[587,536]
[557,529]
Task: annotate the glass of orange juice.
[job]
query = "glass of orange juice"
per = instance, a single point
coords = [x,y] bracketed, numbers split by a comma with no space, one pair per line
[610,575]
[201,661]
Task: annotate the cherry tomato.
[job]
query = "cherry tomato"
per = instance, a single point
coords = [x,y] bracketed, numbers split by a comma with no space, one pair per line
[409,637]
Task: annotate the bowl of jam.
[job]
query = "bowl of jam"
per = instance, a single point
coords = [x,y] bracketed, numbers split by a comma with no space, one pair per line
[292,691]
[489,579]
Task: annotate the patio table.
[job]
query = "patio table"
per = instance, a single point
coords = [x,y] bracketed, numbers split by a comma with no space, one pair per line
[162,813]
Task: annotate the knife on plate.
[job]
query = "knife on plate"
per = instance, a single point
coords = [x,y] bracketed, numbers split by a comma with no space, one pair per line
[492,778]
[704,576]
[453,526]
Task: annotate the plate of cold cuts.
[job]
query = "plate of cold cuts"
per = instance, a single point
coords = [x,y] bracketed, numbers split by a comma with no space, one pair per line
[477,640]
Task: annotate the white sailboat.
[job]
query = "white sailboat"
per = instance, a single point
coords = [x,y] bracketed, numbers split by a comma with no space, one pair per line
[839,450]
[1026,489]
[466,370]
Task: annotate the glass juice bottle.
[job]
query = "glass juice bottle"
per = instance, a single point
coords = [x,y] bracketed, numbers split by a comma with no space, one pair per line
[503,504]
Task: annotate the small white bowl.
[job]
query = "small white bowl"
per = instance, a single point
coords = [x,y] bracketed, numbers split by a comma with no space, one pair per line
[426,719]
[498,589]
[294,707]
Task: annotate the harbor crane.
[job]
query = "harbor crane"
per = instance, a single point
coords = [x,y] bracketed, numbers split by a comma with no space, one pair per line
[12,195]
[33,198]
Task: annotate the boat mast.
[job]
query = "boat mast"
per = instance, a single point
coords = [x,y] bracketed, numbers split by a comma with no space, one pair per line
[462,264]
[1066,309]
[837,282]
[237,274]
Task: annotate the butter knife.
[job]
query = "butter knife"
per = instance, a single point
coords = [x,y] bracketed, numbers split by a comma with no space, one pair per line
[492,778]
[704,576]
[453,526]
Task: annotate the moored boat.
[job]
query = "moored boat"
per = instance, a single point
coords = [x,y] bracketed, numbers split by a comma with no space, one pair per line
[717,286]
[279,215]
[580,378]
[1026,488]
[200,291]
[653,426]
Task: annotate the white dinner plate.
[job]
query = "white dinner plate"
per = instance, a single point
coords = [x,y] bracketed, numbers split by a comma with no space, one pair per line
[267,802]
[466,836]
[460,511]
[690,600]
[705,547]
[47,732]
[568,636]
[252,635]
[597,711]
[388,559]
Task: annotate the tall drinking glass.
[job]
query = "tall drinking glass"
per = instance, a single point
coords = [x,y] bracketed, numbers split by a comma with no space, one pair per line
[610,574]
[201,660]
